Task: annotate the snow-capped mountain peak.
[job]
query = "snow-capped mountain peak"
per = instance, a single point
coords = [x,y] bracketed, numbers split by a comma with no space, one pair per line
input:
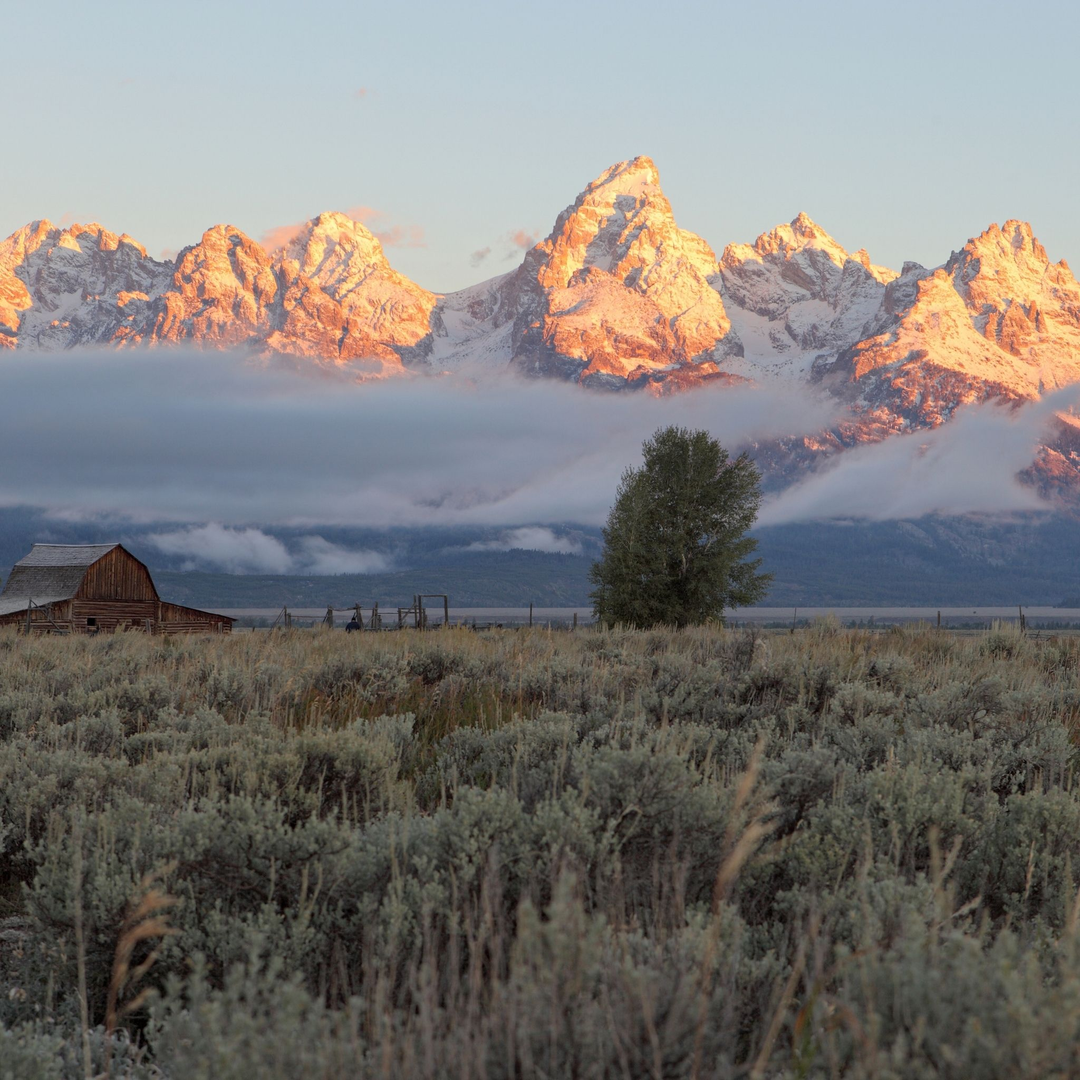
[998,321]
[332,248]
[616,295]
[795,293]
[617,291]
[80,285]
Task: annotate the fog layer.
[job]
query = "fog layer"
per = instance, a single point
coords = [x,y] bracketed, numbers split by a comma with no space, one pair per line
[197,437]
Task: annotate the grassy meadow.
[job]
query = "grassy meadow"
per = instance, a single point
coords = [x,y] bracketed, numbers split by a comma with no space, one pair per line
[507,855]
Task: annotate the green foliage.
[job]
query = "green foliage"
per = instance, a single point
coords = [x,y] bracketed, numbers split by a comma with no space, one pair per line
[675,545]
[628,853]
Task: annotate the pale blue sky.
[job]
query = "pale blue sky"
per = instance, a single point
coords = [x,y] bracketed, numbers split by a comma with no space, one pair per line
[904,128]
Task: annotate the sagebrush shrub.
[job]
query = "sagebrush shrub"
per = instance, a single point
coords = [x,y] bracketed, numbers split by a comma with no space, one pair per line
[695,853]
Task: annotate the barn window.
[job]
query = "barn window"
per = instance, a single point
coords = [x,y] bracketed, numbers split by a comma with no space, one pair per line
[91,621]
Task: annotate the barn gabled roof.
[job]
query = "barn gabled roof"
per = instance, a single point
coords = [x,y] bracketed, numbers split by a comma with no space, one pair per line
[49,573]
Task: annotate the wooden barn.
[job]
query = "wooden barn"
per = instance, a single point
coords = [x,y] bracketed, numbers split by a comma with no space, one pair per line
[91,588]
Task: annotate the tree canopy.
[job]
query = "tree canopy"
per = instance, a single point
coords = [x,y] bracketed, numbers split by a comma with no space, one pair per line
[675,545]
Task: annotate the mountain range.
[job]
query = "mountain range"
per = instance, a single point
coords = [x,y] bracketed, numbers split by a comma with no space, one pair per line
[616,297]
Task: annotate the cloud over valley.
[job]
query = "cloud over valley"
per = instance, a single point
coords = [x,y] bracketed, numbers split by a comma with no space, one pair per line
[222,449]
[194,437]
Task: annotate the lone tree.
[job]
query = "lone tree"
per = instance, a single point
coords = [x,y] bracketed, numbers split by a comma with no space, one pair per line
[675,544]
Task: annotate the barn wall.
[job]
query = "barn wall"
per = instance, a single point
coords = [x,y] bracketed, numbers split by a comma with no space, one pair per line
[53,618]
[114,614]
[117,576]
[176,619]
[117,593]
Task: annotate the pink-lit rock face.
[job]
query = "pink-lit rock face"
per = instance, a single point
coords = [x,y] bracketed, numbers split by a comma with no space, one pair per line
[616,296]
[330,295]
[617,291]
[77,286]
[997,322]
[796,289]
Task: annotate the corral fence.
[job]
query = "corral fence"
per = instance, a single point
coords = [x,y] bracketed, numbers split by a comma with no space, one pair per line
[421,614]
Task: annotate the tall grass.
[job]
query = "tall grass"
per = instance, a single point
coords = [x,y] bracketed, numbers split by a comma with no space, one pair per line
[516,854]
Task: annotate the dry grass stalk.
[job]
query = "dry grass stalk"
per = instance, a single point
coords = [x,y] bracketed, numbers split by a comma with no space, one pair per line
[143,921]
[80,945]
[739,846]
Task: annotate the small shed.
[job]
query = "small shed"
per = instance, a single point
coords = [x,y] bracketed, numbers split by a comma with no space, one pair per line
[90,588]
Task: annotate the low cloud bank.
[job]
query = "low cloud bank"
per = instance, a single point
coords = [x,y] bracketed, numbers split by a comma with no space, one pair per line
[530,538]
[968,466]
[252,551]
[171,435]
[188,437]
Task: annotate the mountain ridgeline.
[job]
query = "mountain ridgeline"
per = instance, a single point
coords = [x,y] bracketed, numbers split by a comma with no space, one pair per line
[617,296]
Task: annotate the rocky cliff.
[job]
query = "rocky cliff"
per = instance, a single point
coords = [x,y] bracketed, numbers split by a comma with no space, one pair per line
[616,296]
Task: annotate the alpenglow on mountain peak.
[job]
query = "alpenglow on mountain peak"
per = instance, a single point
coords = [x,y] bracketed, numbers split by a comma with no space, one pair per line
[616,295]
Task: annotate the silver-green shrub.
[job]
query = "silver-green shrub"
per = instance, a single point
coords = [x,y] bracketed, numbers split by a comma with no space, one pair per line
[694,853]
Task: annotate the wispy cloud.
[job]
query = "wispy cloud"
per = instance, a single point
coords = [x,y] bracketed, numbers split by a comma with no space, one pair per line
[190,437]
[252,551]
[361,92]
[236,551]
[519,240]
[967,466]
[477,257]
[279,237]
[319,556]
[530,538]
[388,234]
[410,236]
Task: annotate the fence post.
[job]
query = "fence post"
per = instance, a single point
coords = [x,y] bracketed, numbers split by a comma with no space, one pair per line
[530,613]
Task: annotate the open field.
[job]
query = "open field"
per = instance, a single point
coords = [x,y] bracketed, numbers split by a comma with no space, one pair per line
[709,854]
[864,617]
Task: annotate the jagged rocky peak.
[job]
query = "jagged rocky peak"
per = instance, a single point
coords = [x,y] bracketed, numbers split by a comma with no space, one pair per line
[618,224]
[795,262]
[617,290]
[1020,300]
[347,262]
[221,294]
[1009,262]
[228,258]
[223,291]
[796,291]
[332,247]
[80,285]
[15,298]
[998,321]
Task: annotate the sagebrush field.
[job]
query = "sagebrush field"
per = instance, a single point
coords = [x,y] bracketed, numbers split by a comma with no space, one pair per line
[531,854]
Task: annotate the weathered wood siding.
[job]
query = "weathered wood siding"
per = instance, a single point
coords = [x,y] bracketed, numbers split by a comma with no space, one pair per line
[53,618]
[117,593]
[176,619]
[117,576]
[114,614]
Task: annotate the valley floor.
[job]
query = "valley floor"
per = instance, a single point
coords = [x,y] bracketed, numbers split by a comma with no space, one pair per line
[710,853]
